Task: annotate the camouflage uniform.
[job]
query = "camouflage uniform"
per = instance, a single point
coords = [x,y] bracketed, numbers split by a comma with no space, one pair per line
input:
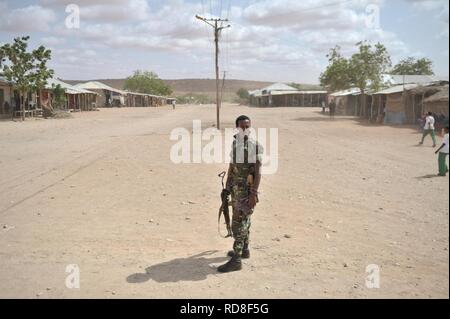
[241,168]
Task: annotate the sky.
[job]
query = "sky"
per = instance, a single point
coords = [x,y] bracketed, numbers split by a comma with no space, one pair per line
[269,40]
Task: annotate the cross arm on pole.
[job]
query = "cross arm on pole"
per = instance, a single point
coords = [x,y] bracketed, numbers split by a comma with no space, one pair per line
[204,20]
[226,27]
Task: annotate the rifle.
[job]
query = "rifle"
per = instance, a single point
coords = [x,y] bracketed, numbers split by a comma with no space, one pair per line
[224,208]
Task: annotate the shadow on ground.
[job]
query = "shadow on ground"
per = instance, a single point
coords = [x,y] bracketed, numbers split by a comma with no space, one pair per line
[194,268]
[429,176]
[325,117]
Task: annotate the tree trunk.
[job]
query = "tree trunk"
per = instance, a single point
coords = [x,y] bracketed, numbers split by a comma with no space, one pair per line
[22,106]
[364,106]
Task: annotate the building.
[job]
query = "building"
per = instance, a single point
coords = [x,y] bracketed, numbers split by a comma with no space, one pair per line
[402,102]
[279,95]
[35,102]
[77,99]
[392,104]
[107,96]
[346,101]
[134,99]
[438,102]
[6,97]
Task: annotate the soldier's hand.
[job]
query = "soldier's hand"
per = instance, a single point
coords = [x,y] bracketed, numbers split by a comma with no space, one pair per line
[252,200]
[225,192]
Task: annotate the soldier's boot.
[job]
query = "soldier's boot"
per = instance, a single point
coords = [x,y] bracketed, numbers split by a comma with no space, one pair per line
[245,253]
[234,264]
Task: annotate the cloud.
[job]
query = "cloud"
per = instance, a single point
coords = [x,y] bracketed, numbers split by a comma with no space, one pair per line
[32,18]
[429,4]
[132,10]
[441,9]
[60,3]
[52,41]
[290,35]
[110,11]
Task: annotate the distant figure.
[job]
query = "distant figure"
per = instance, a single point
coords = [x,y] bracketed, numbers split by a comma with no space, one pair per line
[332,108]
[6,107]
[443,153]
[174,103]
[323,107]
[429,129]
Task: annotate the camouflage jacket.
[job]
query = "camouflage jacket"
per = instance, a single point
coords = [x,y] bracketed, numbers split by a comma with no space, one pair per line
[244,155]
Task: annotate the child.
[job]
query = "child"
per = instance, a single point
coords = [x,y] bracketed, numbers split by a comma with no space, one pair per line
[443,152]
[429,129]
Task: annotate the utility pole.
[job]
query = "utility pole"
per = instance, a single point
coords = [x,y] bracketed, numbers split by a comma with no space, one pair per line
[217,29]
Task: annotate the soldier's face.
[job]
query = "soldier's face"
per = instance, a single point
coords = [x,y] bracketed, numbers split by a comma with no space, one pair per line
[244,125]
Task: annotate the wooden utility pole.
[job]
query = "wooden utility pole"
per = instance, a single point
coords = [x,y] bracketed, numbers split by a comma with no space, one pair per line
[217,29]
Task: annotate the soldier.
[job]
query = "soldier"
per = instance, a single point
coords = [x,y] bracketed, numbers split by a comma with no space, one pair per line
[244,176]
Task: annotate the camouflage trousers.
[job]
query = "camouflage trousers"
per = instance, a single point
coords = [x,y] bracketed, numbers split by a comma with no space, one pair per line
[241,231]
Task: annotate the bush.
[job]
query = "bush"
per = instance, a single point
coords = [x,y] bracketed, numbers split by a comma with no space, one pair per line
[243,94]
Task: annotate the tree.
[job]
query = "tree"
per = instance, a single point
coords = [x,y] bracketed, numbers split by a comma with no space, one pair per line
[59,95]
[363,70]
[243,94]
[147,82]
[336,77]
[27,70]
[412,66]
[367,67]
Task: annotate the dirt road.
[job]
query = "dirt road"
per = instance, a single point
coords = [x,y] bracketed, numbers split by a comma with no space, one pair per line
[99,190]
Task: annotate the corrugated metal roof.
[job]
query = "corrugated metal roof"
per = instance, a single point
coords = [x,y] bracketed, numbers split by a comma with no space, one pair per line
[255,93]
[397,89]
[313,92]
[70,89]
[296,92]
[279,87]
[95,85]
[412,79]
[353,91]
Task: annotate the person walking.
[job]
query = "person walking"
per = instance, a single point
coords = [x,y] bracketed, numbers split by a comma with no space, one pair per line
[429,129]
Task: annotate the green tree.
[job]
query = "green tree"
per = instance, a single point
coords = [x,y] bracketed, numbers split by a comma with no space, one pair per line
[412,66]
[27,70]
[367,67]
[243,94]
[363,70]
[336,76]
[147,82]
[59,95]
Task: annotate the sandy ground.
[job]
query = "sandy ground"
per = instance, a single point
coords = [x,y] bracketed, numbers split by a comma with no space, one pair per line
[99,190]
